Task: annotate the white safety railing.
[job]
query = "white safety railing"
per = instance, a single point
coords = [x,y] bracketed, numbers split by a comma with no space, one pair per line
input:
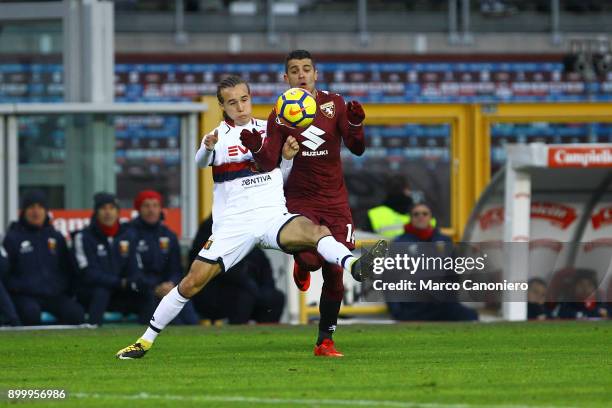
[9,148]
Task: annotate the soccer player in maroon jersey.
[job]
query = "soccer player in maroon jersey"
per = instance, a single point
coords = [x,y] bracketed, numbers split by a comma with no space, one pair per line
[315,187]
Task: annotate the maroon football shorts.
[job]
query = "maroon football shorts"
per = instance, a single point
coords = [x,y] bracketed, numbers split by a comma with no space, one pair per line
[338,219]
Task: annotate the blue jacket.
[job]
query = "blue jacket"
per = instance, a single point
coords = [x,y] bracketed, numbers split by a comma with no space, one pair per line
[7,309]
[580,310]
[159,251]
[39,260]
[104,261]
[3,263]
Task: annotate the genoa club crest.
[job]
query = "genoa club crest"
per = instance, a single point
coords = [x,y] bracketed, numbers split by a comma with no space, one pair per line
[328,109]
[52,244]
[164,243]
[124,247]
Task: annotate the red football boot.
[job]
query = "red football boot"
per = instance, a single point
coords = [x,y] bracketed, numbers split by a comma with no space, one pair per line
[301,278]
[327,349]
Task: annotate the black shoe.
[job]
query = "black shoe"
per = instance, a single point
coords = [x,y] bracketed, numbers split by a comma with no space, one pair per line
[136,350]
[361,269]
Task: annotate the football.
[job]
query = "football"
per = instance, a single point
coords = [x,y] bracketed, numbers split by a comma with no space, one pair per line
[296,107]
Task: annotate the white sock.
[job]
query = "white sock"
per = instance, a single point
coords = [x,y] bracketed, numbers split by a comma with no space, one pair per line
[334,252]
[169,307]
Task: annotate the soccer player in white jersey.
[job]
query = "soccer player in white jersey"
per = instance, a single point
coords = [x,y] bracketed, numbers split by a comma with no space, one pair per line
[248,210]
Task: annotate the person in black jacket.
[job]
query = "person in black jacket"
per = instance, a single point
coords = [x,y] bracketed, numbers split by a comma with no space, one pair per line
[586,300]
[159,250]
[536,300]
[8,313]
[246,294]
[110,267]
[40,276]
[420,230]
[251,281]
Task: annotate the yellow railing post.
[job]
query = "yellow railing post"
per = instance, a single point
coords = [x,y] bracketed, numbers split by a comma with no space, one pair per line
[304,309]
[462,198]
[482,149]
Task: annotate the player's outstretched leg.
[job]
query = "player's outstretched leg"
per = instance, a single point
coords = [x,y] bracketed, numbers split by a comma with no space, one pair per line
[170,306]
[361,269]
[301,233]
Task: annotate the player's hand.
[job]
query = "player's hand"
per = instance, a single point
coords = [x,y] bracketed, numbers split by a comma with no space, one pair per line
[210,140]
[290,148]
[138,284]
[355,113]
[251,140]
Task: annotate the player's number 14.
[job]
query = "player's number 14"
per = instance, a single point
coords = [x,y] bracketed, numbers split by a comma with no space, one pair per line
[350,234]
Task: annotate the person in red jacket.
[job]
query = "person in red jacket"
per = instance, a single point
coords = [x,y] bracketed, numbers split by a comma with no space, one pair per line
[315,187]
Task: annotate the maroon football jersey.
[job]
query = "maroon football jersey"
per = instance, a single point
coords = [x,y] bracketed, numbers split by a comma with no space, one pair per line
[316,179]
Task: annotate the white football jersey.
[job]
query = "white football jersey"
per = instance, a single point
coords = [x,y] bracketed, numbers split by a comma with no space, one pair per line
[239,188]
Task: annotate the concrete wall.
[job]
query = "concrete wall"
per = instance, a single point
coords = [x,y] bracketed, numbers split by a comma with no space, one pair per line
[433,43]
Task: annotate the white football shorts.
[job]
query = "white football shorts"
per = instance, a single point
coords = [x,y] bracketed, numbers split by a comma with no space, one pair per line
[236,236]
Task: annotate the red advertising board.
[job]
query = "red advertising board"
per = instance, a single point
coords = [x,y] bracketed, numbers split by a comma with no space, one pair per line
[580,156]
[67,221]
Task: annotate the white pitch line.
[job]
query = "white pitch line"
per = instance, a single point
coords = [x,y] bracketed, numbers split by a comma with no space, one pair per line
[304,401]
[48,327]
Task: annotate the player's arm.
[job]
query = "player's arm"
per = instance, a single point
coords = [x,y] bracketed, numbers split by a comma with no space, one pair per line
[7,308]
[266,151]
[4,265]
[12,253]
[89,266]
[174,271]
[290,149]
[67,266]
[134,270]
[350,124]
[206,153]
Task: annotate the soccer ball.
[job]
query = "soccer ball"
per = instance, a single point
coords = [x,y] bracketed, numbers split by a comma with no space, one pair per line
[296,108]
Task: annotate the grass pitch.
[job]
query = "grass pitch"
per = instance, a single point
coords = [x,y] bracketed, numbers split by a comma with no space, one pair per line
[405,365]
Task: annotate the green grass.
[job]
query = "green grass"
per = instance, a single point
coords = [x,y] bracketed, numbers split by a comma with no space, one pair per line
[448,365]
